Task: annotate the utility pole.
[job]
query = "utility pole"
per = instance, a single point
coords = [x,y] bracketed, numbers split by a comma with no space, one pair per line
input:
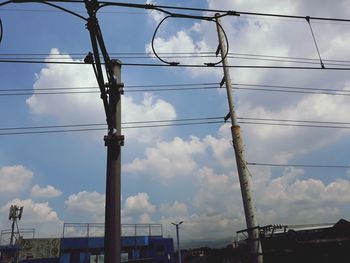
[111,92]
[243,173]
[114,141]
[178,240]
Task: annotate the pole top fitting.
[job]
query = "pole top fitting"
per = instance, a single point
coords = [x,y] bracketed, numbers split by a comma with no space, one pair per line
[116,62]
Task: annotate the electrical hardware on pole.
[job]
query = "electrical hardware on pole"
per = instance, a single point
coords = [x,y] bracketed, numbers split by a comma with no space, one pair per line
[111,92]
[243,174]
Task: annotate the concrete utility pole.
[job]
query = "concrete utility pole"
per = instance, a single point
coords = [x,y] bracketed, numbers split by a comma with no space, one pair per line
[178,240]
[244,177]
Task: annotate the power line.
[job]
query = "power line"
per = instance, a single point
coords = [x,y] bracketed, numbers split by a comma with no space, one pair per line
[125,13]
[178,65]
[195,9]
[293,120]
[147,55]
[222,11]
[175,87]
[59,11]
[295,125]
[178,55]
[185,121]
[299,165]
[103,129]
[209,118]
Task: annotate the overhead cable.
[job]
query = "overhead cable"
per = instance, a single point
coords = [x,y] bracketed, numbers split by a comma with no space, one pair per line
[175,87]
[129,124]
[146,55]
[195,9]
[208,65]
[299,165]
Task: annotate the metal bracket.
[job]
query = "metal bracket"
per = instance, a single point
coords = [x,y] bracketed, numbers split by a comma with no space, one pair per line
[218,50]
[222,82]
[89,59]
[121,88]
[114,140]
[227,116]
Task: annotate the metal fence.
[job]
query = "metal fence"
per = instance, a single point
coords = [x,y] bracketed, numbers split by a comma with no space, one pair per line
[5,235]
[97,230]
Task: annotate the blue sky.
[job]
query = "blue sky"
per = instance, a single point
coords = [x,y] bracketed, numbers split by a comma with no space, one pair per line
[174,173]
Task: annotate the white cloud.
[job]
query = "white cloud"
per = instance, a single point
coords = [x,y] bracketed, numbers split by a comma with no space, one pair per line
[175,210]
[44,192]
[86,206]
[291,189]
[14,179]
[168,159]
[287,198]
[282,143]
[138,209]
[35,215]
[216,194]
[151,108]
[88,108]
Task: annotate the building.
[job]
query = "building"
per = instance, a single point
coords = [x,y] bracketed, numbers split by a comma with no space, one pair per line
[84,243]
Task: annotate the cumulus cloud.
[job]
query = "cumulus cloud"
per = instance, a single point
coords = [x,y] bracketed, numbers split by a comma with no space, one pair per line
[138,209]
[86,206]
[282,143]
[44,192]
[151,108]
[87,107]
[216,192]
[14,179]
[289,198]
[168,159]
[174,210]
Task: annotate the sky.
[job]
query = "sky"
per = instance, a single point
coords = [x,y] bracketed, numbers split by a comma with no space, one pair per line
[177,173]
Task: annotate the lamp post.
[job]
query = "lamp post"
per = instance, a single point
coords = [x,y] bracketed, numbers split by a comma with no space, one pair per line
[178,240]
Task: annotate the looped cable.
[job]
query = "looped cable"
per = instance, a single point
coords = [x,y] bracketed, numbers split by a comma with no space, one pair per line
[210,19]
[152,43]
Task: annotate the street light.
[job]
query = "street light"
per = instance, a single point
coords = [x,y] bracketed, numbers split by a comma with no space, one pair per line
[178,240]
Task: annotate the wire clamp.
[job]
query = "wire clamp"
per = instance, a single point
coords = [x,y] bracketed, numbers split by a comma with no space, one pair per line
[233,13]
[149,6]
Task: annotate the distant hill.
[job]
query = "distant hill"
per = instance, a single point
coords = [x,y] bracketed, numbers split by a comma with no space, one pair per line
[212,243]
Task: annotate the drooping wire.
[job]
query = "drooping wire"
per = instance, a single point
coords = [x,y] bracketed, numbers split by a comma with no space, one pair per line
[314,38]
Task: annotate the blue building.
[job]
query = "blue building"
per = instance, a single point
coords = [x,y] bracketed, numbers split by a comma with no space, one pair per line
[90,249]
[84,243]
